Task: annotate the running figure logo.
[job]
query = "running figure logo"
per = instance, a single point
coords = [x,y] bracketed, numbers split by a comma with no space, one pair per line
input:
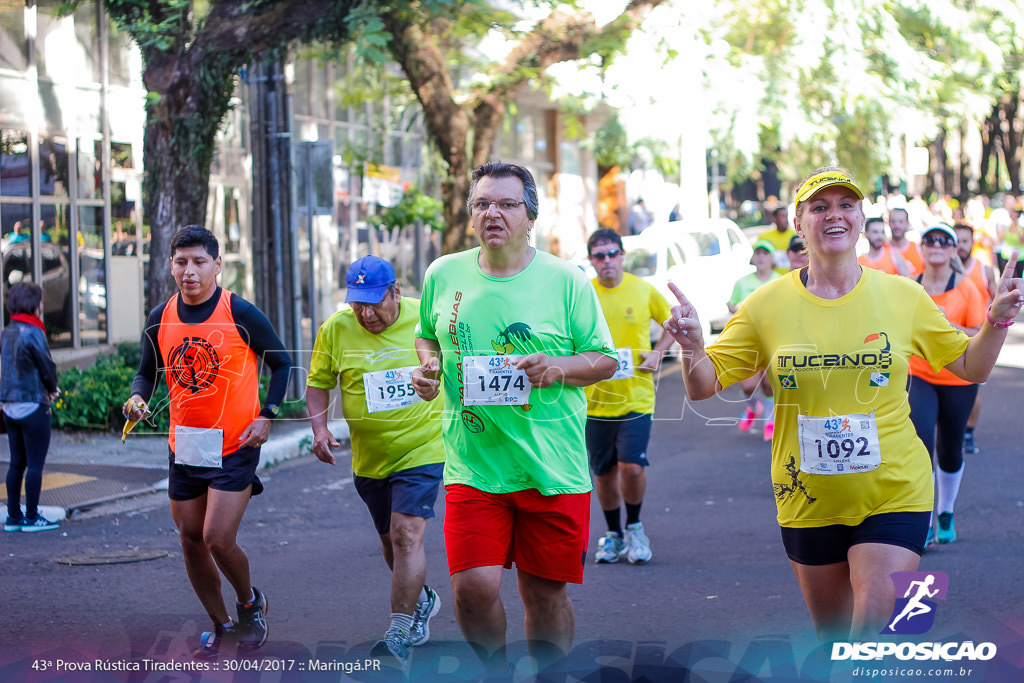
[194,364]
[914,613]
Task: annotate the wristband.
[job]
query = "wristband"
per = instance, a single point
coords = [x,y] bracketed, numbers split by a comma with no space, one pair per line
[995,323]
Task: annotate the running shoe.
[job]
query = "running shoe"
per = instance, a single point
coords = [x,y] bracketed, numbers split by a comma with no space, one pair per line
[638,546]
[210,641]
[13,524]
[421,616]
[946,533]
[769,430]
[969,444]
[39,523]
[395,644]
[749,415]
[610,548]
[252,621]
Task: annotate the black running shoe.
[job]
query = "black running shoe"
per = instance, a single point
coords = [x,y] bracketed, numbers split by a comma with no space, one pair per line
[970,446]
[210,641]
[252,622]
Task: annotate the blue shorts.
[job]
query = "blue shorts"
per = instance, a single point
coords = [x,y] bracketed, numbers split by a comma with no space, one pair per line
[611,440]
[185,482]
[830,544]
[410,492]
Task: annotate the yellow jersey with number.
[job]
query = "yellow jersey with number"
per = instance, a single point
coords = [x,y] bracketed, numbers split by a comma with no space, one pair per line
[844,357]
[629,310]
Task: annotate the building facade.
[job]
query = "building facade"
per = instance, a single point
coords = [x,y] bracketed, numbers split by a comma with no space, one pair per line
[301,163]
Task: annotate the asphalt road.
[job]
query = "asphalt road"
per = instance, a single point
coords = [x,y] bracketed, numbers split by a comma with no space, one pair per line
[717,603]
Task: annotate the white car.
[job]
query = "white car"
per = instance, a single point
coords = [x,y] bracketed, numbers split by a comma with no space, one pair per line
[704,258]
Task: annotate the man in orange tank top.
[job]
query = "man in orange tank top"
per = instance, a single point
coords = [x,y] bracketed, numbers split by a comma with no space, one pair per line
[899,223]
[880,255]
[208,341]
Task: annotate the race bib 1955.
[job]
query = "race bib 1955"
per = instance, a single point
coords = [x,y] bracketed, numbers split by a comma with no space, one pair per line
[389,389]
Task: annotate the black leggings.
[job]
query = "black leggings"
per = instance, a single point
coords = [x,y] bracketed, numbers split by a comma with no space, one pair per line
[29,439]
[939,413]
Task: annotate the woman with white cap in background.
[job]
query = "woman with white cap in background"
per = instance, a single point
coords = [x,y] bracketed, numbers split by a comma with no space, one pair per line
[941,402]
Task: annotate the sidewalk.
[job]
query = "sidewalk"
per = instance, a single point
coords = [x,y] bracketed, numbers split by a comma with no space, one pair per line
[90,468]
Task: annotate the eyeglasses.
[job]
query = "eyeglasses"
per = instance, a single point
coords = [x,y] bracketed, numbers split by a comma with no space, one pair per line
[938,241]
[603,255]
[504,205]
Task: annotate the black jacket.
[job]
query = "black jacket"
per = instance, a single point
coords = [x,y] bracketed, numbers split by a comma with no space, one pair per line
[27,372]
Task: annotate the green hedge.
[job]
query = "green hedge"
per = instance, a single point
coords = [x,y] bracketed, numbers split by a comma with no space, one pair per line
[92,398]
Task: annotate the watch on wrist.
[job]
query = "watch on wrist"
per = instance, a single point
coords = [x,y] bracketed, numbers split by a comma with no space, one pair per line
[270,412]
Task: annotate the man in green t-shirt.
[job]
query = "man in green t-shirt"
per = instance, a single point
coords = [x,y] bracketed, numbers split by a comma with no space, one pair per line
[368,350]
[510,335]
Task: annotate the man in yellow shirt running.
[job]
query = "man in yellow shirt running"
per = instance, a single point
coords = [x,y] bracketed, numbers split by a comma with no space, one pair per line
[368,350]
[620,410]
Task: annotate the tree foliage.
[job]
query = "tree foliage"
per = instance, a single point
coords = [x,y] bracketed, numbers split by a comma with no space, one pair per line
[192,52]
[465,94]
[856,82]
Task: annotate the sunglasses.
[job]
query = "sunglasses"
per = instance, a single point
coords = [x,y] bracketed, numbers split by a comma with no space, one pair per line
[602,255]
[938,241]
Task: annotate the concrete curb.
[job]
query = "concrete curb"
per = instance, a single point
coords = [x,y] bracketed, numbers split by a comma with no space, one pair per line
[277,450]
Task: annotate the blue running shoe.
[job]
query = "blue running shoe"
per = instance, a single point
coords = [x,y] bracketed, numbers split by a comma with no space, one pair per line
[946,532]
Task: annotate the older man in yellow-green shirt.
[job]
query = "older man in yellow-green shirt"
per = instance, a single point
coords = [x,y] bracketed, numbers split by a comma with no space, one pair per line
[368,350]
[620,410]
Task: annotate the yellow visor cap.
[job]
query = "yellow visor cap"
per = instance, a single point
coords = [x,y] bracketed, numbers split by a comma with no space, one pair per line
[820,181]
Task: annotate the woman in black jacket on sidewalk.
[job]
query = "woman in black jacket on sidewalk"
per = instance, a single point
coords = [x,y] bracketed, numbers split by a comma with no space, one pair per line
[28,382]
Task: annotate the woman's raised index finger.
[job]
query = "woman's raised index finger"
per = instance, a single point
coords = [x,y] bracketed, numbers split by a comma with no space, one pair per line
[1011,266]
[679,294]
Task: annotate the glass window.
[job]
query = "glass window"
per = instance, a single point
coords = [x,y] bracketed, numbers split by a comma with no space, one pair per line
[87,42]
[56,275]
[53,166]
[89,176]
[92,277]
[17,250]
[13,44]
[120,49]
[321,93]
[121,155]
[15,165]
[302,87]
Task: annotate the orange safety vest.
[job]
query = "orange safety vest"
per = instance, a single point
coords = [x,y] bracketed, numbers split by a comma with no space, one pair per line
[883,263]
[912,255]
[977,275]
[211,372]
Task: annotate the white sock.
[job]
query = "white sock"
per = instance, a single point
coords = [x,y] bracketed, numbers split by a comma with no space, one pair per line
[423,594]
[402,621]
[769,408]
[947,489]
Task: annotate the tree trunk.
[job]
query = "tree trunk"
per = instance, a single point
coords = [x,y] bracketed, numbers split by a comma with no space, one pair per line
[989,135]
[180,136]
[1011,140]
[190,78]
[450,124]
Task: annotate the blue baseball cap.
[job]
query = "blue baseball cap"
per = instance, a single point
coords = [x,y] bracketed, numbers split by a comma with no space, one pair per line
[368,280]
